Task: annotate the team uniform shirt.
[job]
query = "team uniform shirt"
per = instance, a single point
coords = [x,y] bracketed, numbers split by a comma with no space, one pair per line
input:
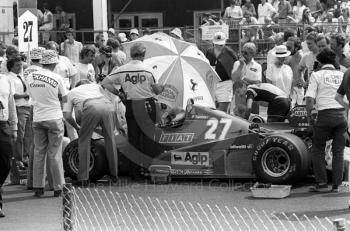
[135,78]
[323,87]
[29,70]
[72,50]
[18,88]
[308,61]
[251,71]
[77,96]
[281,77]
[85,71]
[8,106]
[265,10]
[44,87]
[264,92]
[65,69]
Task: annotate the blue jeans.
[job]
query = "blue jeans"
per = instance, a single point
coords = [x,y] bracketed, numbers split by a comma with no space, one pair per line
[330,124]
[48,138]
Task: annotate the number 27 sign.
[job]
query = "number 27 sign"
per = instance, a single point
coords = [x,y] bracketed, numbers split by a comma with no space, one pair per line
[27,31]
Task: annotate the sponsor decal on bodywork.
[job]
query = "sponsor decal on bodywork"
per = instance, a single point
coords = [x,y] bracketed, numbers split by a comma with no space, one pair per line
[242,147]
[176,138]
[190,158]
[191,171]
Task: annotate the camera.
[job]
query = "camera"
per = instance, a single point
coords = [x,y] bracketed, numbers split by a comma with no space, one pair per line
[100,77]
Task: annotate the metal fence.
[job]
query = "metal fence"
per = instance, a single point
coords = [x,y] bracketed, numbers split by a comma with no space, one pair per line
[96,209]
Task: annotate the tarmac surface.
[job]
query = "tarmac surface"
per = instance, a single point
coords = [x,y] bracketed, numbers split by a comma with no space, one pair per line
[25,212]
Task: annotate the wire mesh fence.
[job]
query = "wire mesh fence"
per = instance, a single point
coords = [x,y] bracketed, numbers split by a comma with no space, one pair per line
[97,209]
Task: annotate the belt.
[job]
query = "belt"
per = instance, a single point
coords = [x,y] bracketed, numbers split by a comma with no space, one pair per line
[139,100]
[23,107]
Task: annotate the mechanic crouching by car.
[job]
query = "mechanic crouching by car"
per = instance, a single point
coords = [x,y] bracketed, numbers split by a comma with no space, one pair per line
[277,100]
[92,108]
[138,83]
[331,121]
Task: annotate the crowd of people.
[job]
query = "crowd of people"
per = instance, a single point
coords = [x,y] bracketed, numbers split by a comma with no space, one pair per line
[69,89]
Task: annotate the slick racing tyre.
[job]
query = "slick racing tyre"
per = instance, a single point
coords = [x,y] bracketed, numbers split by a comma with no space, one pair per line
[281,159]
[98,160]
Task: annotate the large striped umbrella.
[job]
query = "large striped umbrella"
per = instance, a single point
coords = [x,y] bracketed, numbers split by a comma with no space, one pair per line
[181,67]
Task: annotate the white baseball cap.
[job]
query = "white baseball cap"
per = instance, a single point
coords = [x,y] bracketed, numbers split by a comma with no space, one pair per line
[122,37]
[134,31]
[111,30]
[219,38]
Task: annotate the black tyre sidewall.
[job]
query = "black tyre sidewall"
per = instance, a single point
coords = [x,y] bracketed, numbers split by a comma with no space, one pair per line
[297,152]
[100,167]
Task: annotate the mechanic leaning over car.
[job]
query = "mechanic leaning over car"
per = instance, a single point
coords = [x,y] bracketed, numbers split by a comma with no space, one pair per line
[138,83]
[278,101]
[92,108]
[331,121]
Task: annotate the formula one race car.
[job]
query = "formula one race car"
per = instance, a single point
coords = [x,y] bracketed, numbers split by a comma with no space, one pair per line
[203,142]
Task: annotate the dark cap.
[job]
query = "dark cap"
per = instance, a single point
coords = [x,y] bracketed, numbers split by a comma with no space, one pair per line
[137,50]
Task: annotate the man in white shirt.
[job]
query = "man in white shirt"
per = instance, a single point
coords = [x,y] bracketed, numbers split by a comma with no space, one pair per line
[281,75]
[8,130]
[247,70]
[265,9]
[306,65]
[92,108]
[23,108]
[35,55]
[69,74]
[70,47]
[331,121]
[46,88]
[84,67]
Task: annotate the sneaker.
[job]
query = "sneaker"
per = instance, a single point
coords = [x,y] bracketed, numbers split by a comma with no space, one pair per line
[38,192]
[319,188]
[57,193]
[335,188]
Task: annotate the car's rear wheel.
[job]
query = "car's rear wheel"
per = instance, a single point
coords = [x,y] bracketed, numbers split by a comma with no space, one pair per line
[98,161]
[281,159]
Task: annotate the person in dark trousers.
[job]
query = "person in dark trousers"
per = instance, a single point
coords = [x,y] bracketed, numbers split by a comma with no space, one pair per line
[8,130]
[331,121]
[139,85]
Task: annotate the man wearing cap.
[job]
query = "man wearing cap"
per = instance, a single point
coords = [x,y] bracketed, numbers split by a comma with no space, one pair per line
[46,88]
[69,74]
[111,33]
[176,33]
[70,47]
[122,37]
[134,34]
[280,74]
[222,59]
[138,83]
[92,108]
[35,55]
[331,120]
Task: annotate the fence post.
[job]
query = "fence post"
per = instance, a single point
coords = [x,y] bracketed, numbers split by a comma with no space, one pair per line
[67,201]
[339,224]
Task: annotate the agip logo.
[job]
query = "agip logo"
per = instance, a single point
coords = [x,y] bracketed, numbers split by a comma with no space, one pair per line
[190,158]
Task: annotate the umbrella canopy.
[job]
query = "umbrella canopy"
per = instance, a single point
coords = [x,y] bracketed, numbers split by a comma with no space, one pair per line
[181,67]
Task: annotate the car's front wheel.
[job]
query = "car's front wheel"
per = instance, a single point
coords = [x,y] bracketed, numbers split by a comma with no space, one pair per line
[98,160]
[281,159]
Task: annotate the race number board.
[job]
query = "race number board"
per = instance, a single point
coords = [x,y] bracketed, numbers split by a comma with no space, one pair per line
[27,31]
